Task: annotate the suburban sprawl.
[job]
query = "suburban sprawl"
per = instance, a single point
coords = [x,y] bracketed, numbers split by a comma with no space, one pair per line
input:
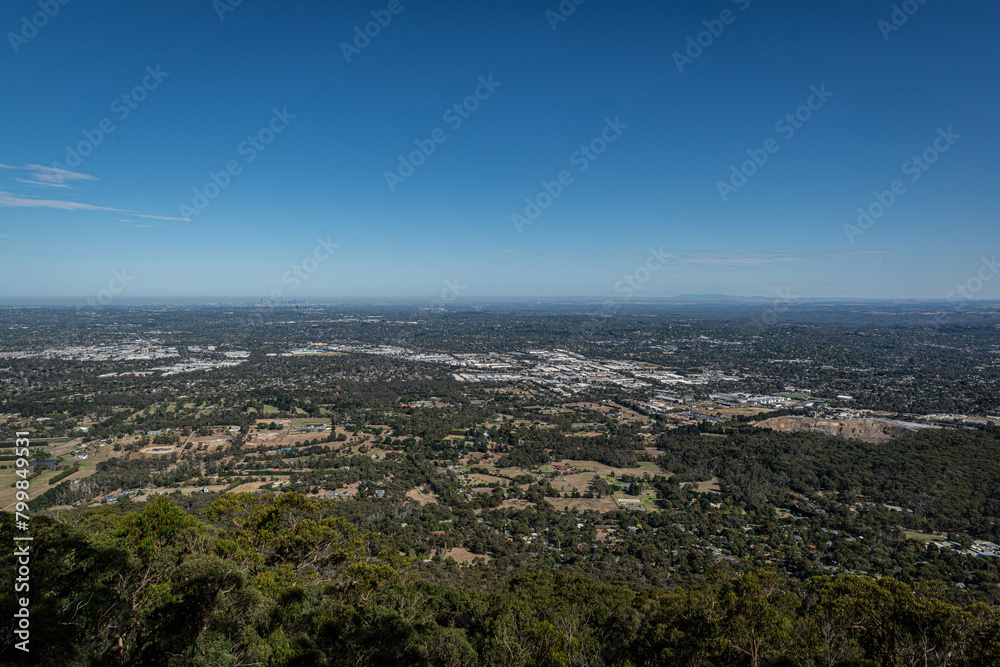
[317,469]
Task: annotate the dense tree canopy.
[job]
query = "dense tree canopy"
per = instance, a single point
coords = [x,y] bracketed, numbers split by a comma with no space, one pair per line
[282,581]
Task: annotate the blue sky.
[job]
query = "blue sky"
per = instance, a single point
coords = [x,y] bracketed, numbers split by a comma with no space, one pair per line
[208,86]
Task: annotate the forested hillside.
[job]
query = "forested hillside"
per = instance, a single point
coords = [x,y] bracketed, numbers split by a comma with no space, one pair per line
[949,478]
[281,581]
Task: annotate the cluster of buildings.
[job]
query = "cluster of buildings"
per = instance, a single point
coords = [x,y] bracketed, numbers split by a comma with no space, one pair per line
[979,548]
[192,365]
[138,350]
[697,379]
[739,398]
[562,371]
[691,418]
[117,496]
[964,420]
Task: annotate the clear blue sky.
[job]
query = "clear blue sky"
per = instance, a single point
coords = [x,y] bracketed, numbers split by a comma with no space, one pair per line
[656,186]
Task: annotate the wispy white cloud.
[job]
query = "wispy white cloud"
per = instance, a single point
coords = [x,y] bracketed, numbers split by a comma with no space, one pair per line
[723,259]
[157,217]
[9,200]
[636,255]
[739,252]
[52,177]
[763,257]
[734,261]
[13,201]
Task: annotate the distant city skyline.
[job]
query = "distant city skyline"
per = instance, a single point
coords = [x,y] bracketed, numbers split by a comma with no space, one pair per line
[444,153]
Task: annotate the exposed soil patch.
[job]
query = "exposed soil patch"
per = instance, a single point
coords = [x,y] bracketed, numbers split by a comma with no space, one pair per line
[869,430]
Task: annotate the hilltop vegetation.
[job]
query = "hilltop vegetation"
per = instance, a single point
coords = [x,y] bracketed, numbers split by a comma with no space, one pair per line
[281,581]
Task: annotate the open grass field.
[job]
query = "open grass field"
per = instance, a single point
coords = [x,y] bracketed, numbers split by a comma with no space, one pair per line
[420,498]
[601,469]
[601,505]
[464,556]
[923,537]
[487,479]
[570,483]
[249,488]
[41,484]
[507,473]
[703,487]
[652,468]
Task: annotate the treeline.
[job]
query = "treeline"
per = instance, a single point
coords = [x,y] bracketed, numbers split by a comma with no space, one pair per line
[950,479]
[282,581]
[527,448]
[117,474]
